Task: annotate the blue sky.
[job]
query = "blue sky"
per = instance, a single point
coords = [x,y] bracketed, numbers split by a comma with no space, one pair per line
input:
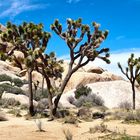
[120,17]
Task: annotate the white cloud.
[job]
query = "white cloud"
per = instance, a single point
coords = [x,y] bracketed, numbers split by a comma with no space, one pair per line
[15,7]
[115,57]
[120,37]
[73,1]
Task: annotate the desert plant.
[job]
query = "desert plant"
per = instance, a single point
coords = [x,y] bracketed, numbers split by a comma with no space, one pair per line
[83,44]
[40,95]
[132,71]
[82,91]
[9,88]
[4,77]
[15,112]
[68,134]
[102,128]
[125,105]
[89,101]
[17,82]
[39,125]
[27,38]
[9,102]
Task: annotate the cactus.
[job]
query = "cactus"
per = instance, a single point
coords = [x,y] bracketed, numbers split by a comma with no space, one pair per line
[132,72]
[84,46]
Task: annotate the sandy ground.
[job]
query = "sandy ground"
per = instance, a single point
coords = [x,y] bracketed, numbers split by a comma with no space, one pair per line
[21,129]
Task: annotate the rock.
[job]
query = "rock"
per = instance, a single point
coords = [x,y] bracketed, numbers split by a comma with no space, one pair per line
[97,70]
[115,92]
[64,100]
[83,78]
[6,68]
[23,99]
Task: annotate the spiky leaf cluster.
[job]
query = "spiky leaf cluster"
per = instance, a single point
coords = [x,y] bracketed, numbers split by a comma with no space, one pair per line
[26,38]
[132,71]
[82,41]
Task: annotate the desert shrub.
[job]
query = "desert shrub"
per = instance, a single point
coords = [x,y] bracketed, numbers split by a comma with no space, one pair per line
[15,112]
[125,105]
[97,115]
[89,101]
[71,99]
[42,105]
[132,117]
[102,128]
[71,120]
[17,82]
[82,91]
[68,134]
[4,77]
[39,125]
[24,107]
[9,102]
[39,95]
[2,117]
[9,88]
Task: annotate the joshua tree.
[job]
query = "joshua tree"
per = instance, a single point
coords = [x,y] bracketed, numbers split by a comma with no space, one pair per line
[83,44]
[50,68]
[26,38]
[132,71]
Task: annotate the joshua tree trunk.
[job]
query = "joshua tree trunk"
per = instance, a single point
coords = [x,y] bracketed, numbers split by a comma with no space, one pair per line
[56,101]
[42,85]
[134,96]
[49,97]
[31,106]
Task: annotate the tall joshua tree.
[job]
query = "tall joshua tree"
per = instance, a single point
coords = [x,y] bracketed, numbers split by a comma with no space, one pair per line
[25,38]
[50,68]
[132,71]
[84,46]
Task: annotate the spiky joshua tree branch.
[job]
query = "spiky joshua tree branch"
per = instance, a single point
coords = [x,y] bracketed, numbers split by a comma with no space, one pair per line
[84,46]
[132,71]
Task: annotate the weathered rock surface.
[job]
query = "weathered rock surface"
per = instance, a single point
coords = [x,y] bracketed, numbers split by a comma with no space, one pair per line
[115,92]
[23,99]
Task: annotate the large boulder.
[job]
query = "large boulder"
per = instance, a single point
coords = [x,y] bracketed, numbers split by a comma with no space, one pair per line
[115,92]
[83,78]
[64,100]
[6,68]
[23,99]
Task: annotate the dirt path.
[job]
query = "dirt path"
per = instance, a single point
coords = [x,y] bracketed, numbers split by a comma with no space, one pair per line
[21,129]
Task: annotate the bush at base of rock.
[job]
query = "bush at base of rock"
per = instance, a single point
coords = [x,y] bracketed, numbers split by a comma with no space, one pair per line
[9,102]
[11,89]
[82,91]
[40,95]
[89,101]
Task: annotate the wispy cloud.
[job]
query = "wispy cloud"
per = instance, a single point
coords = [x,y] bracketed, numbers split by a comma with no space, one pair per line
[15,7]
[120,37]
[73,1]
[115,57]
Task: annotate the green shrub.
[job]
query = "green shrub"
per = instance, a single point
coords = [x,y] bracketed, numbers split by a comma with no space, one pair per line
[9,102]
[17,82]
[15,112]
[4,77]
[125,105]
[9,88]
[82,91]
[89,101]
[39,95]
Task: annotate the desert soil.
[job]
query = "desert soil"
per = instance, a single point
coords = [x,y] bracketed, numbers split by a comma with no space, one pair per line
[20,129]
